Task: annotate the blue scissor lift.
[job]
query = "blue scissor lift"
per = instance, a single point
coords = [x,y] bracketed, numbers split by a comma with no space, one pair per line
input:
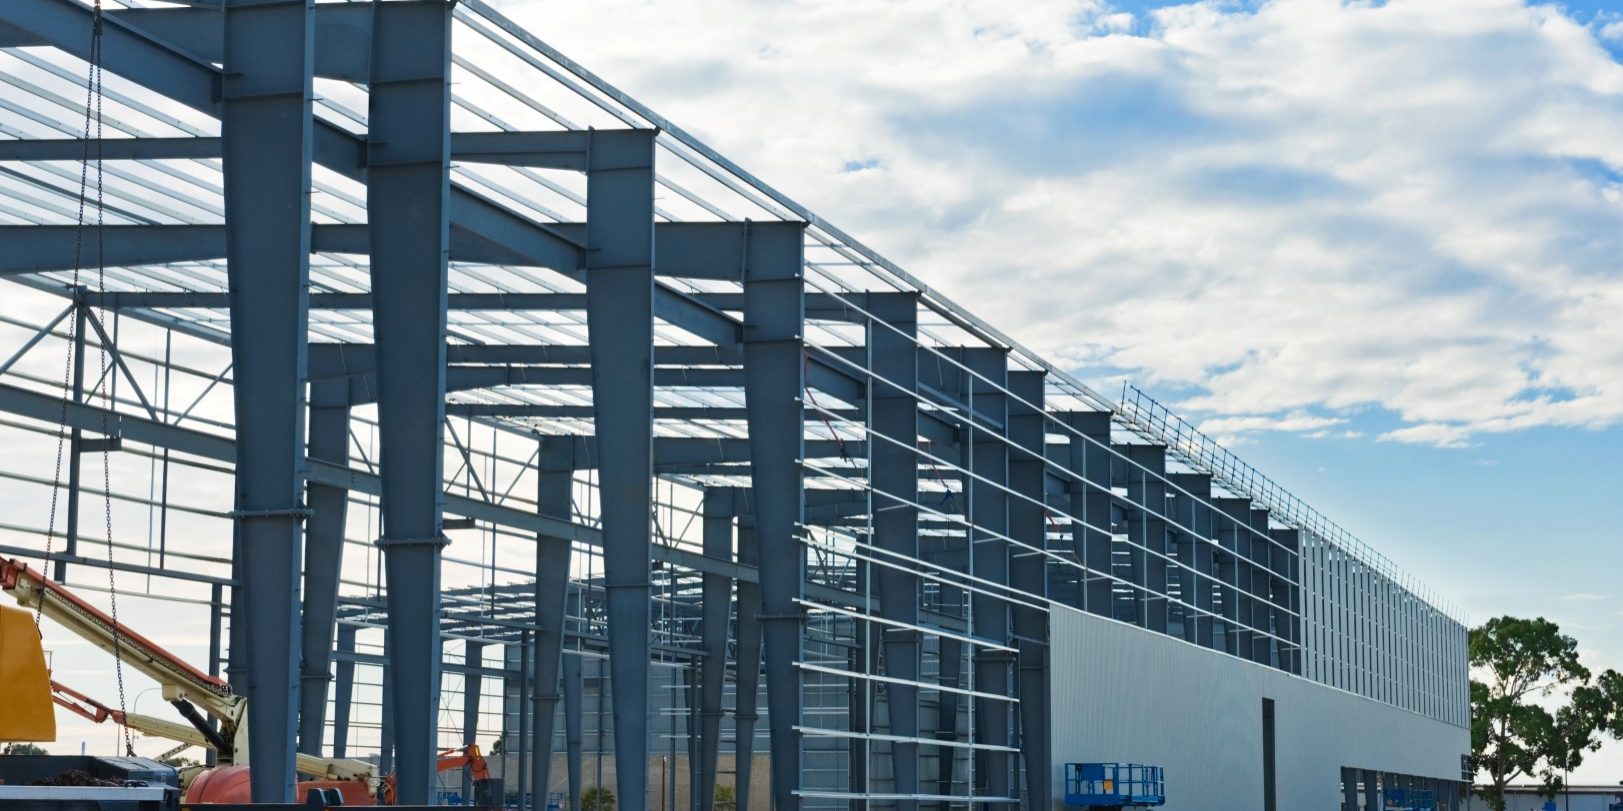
[1398,799]
[1114,785]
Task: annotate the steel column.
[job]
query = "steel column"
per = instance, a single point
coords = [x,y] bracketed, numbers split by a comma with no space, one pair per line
[323,562]
[620,325]
[989,560]
[524,705]
[1090,462]
[717,610]
[1194,552]
[748,678]
[343,690]
[572,725]
[774,364]
[473,654]
[386,725]
[555,473]
[894,474]
[408,189]
[1147,488]
[1028,523]
[265,126]
[76,441]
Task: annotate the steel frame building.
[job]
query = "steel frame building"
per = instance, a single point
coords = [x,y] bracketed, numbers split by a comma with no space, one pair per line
[404,262]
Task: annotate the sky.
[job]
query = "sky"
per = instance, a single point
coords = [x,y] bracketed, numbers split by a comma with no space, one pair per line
[1372,246]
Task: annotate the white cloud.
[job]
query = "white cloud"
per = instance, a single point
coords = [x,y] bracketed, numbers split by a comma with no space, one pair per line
[1307,206]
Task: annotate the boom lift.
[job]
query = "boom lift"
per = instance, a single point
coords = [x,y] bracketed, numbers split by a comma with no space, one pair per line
[195,694]
[27,692]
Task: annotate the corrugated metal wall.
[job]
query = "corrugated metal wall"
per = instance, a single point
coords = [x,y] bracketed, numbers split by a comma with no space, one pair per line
[1122,694]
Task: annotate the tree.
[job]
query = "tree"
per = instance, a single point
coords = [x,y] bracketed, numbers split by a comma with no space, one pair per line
[726,798]
[1529,668]
[22,749]
[597,798]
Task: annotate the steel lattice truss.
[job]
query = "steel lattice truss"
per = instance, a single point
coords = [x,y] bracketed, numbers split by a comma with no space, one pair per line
[831,434]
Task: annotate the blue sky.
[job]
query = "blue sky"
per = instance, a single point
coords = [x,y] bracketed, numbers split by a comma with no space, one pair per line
[1377,247]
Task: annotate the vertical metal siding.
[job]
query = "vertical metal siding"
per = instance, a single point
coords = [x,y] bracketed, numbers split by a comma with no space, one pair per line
[1123,694]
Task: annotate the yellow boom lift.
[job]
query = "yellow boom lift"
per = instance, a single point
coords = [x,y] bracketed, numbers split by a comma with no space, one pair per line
[27,692]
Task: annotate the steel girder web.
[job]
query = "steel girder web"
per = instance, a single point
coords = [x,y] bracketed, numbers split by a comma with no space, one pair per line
[620,325]
[266,135]
[408,212]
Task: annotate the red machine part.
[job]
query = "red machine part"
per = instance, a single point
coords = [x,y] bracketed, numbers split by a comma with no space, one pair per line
[229,784]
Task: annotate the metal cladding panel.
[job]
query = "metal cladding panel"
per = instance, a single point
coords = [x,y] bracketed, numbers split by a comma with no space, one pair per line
[1122,694]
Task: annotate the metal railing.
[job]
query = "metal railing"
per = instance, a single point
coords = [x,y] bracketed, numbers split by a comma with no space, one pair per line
[1147,416]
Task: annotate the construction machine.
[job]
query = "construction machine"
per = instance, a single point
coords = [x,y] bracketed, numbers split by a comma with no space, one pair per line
[27,694]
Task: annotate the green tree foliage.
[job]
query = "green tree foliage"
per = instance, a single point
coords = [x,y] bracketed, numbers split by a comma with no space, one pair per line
[22,749]
[726,798]
[1537,710]
[597,798]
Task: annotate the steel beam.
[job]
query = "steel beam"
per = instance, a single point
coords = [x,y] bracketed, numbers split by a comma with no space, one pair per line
[111,149]
[323,564]
[408,212]
[774,383]
[620,325]
[265,130]
[894,474]
[555,469]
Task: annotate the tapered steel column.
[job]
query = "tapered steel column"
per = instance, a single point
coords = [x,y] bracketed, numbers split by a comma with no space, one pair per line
[893,469]
[523,705]
[774,364]
[1194,552]
[1231,522]
[555,468]
[472,686]
[323,562]
[989,561]
[343,690]
[1090,461]
[265,127]
[1028,523]
[1148,530]
[717,610]
[572,724]
[748,606]
[408,187]
[620,324]
[386,720]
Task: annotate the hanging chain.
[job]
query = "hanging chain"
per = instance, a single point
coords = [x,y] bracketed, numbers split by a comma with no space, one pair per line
[92,135]
[104,380]
[92,88]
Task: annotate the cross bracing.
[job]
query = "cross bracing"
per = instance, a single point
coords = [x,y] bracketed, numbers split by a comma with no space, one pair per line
[455,285]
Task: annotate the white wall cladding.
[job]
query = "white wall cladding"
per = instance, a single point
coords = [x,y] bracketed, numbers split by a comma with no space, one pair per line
[1124,695]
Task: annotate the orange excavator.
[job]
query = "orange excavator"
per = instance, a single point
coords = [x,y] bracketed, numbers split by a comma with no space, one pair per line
[27,693]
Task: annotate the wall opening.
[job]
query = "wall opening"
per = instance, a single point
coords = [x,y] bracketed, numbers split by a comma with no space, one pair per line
[1269,796]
